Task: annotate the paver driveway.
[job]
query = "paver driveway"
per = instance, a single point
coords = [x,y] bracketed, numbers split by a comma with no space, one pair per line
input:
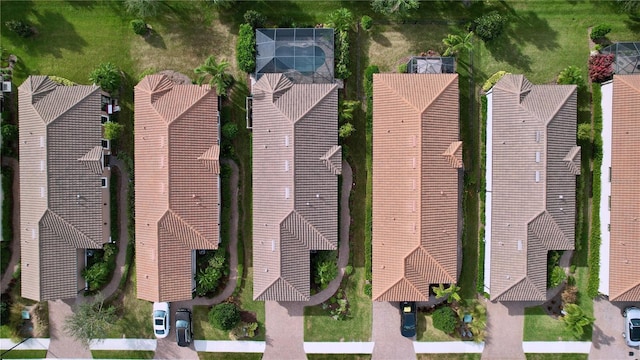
[389,343]
[607,341]
[285,331]
[63,346]
[505,323]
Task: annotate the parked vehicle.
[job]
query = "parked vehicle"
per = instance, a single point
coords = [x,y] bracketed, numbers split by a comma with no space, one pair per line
[631,326]
[408,318]
[184,327]
[161,319]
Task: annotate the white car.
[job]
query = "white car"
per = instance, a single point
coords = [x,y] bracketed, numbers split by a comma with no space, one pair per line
[161,319]
[632,326]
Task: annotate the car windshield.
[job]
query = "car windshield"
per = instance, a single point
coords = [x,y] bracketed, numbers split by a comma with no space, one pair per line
[634,331]
[181,324]
[158,314]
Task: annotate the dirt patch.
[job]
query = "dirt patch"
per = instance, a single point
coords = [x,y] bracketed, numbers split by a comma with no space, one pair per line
[248,317]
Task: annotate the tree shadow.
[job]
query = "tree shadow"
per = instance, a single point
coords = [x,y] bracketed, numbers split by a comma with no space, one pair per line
[57,34]
[380,39]
[633,23]
[80,4]
[530,28]
[504,49]
[15,10]
[155,39]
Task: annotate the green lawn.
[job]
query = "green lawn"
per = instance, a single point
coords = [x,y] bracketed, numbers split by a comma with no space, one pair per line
[557,356]
[426,331]
[24,354]
[228,356]
[338,356]
[319,326]
[448,356]
[121,354]
[134,319]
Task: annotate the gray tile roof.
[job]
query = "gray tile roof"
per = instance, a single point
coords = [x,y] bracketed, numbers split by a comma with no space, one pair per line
[296,158]
[535,161]
[61,196]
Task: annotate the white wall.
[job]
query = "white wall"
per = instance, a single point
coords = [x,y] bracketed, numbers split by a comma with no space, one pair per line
[605,186]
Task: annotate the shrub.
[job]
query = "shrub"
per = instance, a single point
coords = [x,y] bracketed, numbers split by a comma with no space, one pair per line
[601,67]
[557,276]
[62,81]
[19,27]
[394,7]
[571,75]
[229,131]
[584,132]
[342,52]
[402,68]
[367,290]
[366,22]
[490,26]
[325,268]
[224,316]
[112,130]
[255,19]
[595,239]
[600,31]
[346,130]
[348,270]
[139,27]
[208,279]
[368,77]
[107,76]
[341,20]
[572,269]
[4,312]
[96,275]
[570,295]
[246,48]
[493,79]
[445,319]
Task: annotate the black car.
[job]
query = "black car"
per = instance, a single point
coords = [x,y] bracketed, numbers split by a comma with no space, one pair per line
[408,319]
[184,327]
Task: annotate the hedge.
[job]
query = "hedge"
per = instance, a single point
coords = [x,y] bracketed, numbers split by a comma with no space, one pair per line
[368,88]
[493,79]
[246,48]
[62,81]
[483,169]
[7,208]
[342,55]
[594,244]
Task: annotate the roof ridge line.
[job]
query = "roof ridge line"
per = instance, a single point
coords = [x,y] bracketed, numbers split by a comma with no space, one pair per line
[324,96]
[437,263]
[204,95]
[444,88]
[47,123]
[57,217]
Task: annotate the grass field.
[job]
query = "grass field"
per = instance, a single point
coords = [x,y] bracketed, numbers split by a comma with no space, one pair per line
[24,354]
[134,314]
[228,356]
[557,356]
[319,326]
[121,354]
[426,331]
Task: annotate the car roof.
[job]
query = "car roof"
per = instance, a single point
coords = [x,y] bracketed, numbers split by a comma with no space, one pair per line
[183,314]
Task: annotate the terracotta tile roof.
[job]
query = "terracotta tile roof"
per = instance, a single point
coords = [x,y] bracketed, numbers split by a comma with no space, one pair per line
[296,158]
[60,185]
[535,161]
[177,184]
[417,161]
[624,278]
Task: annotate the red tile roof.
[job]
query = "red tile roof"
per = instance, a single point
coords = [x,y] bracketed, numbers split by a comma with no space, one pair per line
[417,162]
[177,184]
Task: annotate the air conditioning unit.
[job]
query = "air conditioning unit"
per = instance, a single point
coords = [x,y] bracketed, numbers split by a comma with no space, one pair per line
[6,86]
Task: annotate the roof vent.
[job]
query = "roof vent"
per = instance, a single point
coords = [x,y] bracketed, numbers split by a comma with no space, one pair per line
[560,197]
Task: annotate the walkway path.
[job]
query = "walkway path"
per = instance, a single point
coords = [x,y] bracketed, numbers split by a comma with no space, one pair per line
[15,242]
[285,320]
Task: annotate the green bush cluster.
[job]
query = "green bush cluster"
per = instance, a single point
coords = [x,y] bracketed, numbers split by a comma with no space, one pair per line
[208,278]
[594,246]
[7,208]
[571,75]
[229,131]
[99,274]
[246,48]
[19,27]
[368,89]
[366,22]
[62,81]
[402,68]
[325,267]
[113,130]
[9,139]
[489,26]
[445,319]
[139,27]
[600,31]
[557,276]
[224,316]
[342,55]
[107,76]
[255,19]
[493,79]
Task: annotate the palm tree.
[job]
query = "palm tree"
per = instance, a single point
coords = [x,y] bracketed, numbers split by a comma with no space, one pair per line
[575,319]
[220,79]
[340,20]
[455,43]
[451,292]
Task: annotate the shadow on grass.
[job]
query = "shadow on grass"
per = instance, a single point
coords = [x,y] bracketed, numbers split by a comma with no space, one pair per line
[58,33]
[530,28]
[155,39]
[506,50]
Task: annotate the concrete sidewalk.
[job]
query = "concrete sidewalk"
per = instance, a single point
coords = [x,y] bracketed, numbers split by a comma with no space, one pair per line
[556,347]
[31,344]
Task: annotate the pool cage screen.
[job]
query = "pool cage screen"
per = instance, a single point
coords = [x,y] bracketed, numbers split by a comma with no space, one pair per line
[627,57]
[304,55]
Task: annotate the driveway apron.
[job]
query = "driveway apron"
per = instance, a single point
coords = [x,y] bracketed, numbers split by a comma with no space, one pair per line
[62,345]
[285,331]
[607,341]
[389,343]
[504,331]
